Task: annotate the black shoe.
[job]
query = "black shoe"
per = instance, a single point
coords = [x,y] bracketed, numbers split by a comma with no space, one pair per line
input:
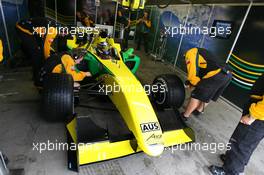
[222,157]
[216,170]
[183,117]
[5,159]
[197,113]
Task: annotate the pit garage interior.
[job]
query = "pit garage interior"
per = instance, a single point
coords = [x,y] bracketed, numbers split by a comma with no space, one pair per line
[25,128]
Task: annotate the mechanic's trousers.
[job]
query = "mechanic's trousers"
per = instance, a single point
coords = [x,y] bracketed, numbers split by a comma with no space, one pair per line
[244,141]
[32,49]
[125,40]
[143,36]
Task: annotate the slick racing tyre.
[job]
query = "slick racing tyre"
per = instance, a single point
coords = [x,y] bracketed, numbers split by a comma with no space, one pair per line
[58,95]
[170,93]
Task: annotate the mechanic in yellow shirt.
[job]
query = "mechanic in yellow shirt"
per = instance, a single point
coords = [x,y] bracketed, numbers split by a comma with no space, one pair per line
[1,51]
[37,35]
[37,30]
[72,63]
[50,36]
[68,65]
[247,135]
[208,78]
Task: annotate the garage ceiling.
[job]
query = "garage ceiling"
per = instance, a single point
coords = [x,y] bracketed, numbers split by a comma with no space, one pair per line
[163,2]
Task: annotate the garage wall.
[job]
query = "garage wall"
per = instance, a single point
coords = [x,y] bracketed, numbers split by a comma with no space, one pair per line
[61,11]
[204,15]
[198,16]
[247,60]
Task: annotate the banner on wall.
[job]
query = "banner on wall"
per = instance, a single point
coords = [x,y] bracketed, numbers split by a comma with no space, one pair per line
[244,73]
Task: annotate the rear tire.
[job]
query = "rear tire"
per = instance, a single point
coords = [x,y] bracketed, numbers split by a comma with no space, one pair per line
[58,97]
[171,91]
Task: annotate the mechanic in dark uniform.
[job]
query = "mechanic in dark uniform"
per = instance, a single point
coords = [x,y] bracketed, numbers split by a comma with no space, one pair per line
[121,19]
[36,40]
[247,135]
[207,77]
[143,27]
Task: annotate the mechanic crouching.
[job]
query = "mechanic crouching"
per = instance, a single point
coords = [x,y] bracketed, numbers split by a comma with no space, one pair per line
[208,78]
[247,135]
[72,63]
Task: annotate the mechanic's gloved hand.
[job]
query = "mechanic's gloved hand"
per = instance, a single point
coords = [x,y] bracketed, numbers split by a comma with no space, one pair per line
[247,119]
[88,74]
[188,85]
[76,85]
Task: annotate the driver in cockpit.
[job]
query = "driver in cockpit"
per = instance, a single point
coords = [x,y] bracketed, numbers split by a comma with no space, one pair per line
[103,50]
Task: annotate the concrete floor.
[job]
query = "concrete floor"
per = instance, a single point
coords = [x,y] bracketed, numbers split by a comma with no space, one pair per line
[21,125]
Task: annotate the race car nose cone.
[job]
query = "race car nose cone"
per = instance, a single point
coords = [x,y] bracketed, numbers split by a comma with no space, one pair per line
[155,149]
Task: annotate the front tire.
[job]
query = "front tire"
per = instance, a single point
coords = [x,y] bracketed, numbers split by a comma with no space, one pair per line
[58,103]
[171,91]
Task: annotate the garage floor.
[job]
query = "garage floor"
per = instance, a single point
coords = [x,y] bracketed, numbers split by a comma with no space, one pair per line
[21,125]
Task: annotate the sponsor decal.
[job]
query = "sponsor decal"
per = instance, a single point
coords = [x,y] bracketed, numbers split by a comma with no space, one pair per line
[155,137]
[152,126]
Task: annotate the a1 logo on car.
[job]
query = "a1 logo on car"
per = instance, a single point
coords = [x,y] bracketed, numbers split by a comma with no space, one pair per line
[152,126]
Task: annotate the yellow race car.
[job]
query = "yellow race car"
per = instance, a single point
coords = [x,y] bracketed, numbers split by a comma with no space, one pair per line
[140,128]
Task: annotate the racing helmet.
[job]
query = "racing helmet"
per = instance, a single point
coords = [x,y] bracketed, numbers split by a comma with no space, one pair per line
[103,48]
